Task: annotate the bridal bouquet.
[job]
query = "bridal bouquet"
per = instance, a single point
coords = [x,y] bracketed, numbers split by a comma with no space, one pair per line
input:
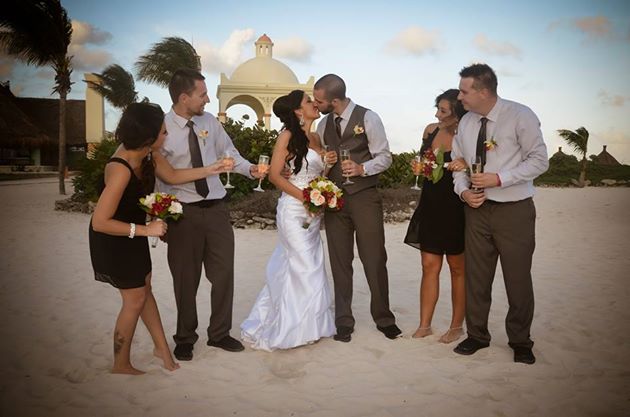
[162,206]
[432,164]
[320,194]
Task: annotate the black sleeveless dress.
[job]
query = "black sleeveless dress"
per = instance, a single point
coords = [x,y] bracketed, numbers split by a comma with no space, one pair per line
[118,260]
[437,225]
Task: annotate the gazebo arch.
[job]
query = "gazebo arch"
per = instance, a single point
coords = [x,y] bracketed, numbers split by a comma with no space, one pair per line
[258,82]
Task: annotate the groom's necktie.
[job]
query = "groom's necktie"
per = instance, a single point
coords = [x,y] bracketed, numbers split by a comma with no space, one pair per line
[338,125]
[195,157]
[481,138]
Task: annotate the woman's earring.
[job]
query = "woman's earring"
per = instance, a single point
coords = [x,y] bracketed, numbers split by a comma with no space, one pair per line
[149,156]
[301,120]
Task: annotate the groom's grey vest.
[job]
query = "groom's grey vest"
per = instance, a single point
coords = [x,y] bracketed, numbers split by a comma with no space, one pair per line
[358,145]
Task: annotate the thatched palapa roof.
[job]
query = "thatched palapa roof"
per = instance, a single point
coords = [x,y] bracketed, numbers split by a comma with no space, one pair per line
[16,128]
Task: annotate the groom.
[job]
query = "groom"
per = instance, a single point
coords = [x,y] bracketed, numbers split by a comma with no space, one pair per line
[350,126]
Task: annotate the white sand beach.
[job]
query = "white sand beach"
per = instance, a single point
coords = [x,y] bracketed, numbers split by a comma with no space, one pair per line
[57,323]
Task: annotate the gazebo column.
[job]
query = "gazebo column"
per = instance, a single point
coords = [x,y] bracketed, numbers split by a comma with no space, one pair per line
[222,116]
[267,121]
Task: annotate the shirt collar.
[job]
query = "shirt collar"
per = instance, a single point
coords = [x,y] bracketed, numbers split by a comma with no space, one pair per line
[181,121]
[348,110]
[493,115]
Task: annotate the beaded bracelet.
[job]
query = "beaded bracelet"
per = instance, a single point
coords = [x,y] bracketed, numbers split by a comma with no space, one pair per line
[132,230]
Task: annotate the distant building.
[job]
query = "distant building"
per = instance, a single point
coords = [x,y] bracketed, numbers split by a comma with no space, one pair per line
[29,128]
[258,82]
[604,158]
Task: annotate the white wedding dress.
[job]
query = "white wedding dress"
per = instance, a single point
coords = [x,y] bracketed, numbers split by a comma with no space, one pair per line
[294,307]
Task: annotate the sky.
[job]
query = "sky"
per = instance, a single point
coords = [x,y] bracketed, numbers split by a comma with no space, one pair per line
[569,61]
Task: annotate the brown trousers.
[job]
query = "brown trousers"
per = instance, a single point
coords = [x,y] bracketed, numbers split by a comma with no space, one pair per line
[363,215]
[202,236]
[504,231]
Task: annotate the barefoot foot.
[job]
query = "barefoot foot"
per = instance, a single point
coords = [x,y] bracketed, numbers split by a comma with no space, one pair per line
[167,359]
[422,332]
[128,370]
[451,335]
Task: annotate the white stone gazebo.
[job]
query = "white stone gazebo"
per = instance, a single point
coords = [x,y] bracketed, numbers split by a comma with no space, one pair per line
[258,82]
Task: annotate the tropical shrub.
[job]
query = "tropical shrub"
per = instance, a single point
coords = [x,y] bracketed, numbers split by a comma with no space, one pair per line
[91,170]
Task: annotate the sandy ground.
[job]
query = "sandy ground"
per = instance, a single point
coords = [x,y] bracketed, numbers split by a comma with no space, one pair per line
[57,326]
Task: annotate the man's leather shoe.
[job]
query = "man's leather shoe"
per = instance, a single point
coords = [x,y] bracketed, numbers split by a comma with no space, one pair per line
[227,343]
[343,334]
[184,351]
[470,346]
[390,332]
[524,355]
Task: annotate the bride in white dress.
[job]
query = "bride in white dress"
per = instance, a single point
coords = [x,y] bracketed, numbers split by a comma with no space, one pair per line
[294,307]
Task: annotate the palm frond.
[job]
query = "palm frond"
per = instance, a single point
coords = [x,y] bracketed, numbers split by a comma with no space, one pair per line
[164,58]
[116,86]
[578,140]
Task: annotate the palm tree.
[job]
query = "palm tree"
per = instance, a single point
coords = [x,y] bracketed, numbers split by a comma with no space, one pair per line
[578,140]
[38,32]
[116,86]
[164,58]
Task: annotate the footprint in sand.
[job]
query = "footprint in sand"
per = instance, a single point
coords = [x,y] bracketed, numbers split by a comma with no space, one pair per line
[287,369]
[377,353]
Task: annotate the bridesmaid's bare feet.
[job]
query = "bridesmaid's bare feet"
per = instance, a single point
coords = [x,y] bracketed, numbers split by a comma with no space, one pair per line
[128,370]
[167,359]
[451,335]
[422,332]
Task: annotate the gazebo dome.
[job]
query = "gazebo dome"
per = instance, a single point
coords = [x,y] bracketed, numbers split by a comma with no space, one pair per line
[264,70]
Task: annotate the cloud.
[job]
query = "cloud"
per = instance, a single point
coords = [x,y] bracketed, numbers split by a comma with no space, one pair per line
[83,33]
[45,73]
[415,41]
[616,100]
[594,27]
[85,59]
[296,49]
[224,58]
[496,48]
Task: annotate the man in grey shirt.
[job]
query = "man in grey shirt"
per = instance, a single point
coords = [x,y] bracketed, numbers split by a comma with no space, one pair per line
[506,140]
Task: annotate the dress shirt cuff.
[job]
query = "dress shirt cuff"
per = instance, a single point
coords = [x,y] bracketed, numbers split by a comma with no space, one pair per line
[505,179]
[365,171]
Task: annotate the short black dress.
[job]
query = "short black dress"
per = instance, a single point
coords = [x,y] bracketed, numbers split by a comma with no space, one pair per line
[437,225]
[118,260]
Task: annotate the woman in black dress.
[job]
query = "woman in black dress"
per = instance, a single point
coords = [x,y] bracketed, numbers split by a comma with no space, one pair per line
[118,234]
[437,225]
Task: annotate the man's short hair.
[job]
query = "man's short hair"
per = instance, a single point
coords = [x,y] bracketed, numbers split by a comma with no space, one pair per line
[333,86]
[183,81]
[483,77]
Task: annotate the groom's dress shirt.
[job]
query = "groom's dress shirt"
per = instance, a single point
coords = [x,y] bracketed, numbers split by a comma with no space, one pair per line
[213,146]
[520,154]
[377,139]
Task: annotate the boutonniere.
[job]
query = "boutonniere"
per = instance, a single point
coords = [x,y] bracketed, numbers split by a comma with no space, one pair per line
[203,134]
[358,129]
[490,144]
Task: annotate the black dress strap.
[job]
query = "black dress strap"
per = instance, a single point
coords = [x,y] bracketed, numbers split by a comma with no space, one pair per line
[122,161]
[428,141]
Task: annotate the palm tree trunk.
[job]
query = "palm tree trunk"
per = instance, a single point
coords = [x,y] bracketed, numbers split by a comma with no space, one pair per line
[62,143]
[582,180]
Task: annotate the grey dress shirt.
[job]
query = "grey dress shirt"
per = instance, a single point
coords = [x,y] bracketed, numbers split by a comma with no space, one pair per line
[213,142]
[520,154]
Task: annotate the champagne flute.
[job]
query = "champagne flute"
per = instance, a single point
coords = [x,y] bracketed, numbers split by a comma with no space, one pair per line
[345,156]
[476,167]
[416,166]
[324,158]
[229,159]
[263,168]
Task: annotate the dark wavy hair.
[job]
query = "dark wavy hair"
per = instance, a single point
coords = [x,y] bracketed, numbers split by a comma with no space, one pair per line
[140,126]
[284,107]
[457,108]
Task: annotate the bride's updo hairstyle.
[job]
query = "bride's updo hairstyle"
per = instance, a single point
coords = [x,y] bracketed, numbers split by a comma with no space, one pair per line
[139,126]
[284,108]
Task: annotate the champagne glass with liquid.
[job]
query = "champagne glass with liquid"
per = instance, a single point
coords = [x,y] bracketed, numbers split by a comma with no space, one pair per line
[263,168]
[345,156]
[228,158]
[476,167]
[416,167]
